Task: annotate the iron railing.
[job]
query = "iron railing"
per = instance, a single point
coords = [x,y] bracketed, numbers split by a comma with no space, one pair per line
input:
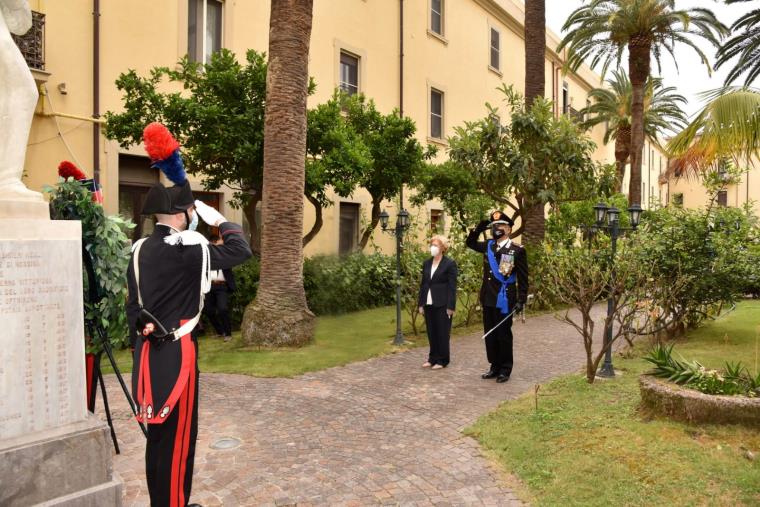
[32,43]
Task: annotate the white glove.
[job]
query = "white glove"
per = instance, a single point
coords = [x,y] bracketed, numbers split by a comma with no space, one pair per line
[209,214]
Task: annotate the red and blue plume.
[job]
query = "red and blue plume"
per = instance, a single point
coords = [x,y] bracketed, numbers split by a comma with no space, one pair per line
[68,170]
[163,151]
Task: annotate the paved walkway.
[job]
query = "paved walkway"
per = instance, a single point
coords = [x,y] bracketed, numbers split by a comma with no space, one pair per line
[383,431]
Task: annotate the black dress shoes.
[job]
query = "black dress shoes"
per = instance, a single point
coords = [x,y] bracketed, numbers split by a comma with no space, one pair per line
[488,374]
[501,378]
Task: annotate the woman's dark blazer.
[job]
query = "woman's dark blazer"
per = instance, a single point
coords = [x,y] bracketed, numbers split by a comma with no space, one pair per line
[443,286]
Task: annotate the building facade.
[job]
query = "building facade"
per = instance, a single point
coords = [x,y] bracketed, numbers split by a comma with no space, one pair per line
[456,53]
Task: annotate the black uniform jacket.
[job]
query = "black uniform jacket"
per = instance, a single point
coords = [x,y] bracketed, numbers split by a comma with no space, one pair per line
[170,278]
[442,286]
[489,290]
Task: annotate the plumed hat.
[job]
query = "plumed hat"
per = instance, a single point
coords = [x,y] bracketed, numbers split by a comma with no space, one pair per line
[499,217]
[163,151]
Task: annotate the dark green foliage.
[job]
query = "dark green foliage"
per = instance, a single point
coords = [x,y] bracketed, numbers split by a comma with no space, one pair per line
[106,239]
[345,284]
[246,285]
[734,379]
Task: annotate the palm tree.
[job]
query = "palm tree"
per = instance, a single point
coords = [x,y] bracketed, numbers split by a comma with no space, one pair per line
[535,86]
[603,30]
[744,43]
[727,127]
[279,315]
[612,106]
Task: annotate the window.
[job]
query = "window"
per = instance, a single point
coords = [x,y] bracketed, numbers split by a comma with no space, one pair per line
[204,29]
[32,43]
[135,179]
[348,228]
[436,221]
[495,45]
[588,106]
[349,73]
[436,114]
[565,98]
[678,199]
[723,198]
[436,16]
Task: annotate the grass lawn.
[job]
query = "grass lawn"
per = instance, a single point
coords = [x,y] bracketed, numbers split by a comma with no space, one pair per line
[339,340]
[589,444]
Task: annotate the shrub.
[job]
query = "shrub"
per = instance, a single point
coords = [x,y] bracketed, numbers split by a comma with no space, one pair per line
[354,282]
[246,285]
[734,379]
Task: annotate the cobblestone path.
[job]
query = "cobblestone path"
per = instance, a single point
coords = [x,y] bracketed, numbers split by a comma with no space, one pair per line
[379,432]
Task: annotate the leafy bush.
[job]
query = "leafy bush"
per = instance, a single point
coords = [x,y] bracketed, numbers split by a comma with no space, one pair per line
[707,249]
[105,238]
[337,285]
[246,285]
[735,379]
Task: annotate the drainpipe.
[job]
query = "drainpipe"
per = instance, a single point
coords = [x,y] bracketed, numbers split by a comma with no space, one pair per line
[401,80]
[96,89]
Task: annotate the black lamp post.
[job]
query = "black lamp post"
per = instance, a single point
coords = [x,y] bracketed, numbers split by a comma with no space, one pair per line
[402,224]
[614,230]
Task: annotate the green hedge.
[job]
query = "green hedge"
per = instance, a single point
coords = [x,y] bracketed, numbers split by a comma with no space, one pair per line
[333,284]
[337,285]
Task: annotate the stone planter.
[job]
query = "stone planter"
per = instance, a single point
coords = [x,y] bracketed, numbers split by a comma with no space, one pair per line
[689,405]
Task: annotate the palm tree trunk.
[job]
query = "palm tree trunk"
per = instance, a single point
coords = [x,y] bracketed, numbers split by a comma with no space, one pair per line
[535,84]
[279,315]
[638,70]
[622,152]
[535,50]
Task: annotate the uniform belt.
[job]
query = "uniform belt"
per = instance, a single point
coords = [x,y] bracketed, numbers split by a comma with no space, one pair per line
[219,283]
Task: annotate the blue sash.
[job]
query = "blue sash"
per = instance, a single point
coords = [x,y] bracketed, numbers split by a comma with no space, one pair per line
[502,301]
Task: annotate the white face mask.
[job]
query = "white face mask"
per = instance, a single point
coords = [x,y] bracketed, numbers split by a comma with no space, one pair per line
[193,222]
[434,250]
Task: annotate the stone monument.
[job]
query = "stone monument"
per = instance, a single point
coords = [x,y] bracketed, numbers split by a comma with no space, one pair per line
[52,450]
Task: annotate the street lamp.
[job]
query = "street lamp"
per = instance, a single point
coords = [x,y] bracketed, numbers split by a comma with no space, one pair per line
[602,211]
[402,224]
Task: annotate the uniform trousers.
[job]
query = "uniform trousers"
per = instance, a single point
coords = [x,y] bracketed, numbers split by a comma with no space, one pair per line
[438,326]
[170,451]
[217,308]
[498,343]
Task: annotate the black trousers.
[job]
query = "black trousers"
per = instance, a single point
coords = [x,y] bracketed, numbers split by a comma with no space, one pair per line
[170,451]
[217,309]
[498,343]
[438,326]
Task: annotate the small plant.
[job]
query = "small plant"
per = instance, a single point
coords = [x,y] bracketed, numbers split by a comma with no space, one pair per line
[734,379]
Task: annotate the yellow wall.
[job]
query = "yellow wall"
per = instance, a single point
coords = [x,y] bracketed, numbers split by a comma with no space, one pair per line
[141,34]
[695,196]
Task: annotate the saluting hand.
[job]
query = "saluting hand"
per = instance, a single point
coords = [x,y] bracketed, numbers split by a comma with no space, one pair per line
[209,214]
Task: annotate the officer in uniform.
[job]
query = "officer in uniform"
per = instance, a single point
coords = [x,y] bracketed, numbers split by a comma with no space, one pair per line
[168,276]
[504,289]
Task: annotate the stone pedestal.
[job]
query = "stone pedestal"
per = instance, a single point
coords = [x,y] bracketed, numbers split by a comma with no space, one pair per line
[51,450]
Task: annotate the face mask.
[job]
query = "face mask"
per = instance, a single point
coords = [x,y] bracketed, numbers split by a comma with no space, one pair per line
[434,250]
[497,233]
[194,222]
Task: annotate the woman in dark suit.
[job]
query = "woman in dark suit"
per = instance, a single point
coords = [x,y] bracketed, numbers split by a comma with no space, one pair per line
[438,300]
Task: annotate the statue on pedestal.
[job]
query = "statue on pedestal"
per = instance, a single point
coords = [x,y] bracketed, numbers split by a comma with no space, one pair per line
[18,98]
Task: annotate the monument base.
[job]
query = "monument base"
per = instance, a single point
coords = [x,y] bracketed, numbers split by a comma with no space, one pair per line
[67,466]
[27,209]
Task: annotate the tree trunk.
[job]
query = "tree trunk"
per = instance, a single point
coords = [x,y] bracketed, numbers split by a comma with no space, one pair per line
[638,70]
[535,49]
[622,152]
[534,224]
[375,218]
[280,315]
[318,222]
[249,210]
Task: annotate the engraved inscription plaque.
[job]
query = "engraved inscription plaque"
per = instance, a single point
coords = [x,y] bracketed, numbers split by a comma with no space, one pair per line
[41,344]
